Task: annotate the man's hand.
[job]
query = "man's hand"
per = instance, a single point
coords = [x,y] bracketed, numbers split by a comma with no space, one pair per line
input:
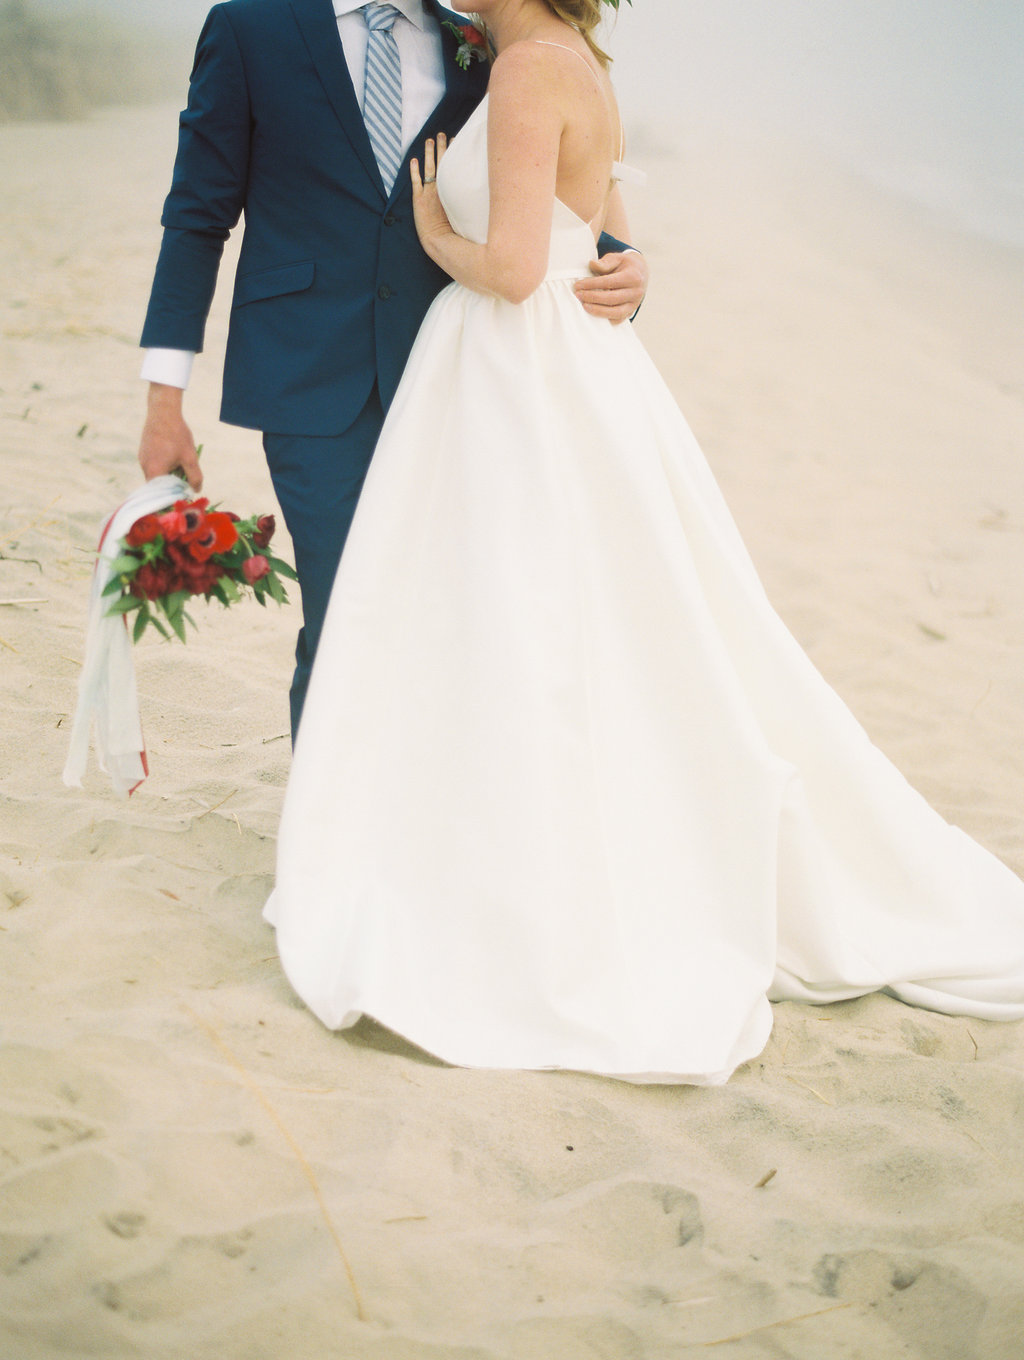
[617,288]
[167,444]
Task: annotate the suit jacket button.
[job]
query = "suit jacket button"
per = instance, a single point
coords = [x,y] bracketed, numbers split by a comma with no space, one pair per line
[384,292]
[390,219]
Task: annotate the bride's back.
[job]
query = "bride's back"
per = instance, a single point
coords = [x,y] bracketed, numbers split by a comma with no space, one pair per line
[591,139]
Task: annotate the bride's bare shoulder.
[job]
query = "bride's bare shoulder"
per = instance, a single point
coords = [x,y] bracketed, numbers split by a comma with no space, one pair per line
[521,57]
[522,74]
[537,68]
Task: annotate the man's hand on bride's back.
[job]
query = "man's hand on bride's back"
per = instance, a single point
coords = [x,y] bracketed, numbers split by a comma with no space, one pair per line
[167,444]
[616,288]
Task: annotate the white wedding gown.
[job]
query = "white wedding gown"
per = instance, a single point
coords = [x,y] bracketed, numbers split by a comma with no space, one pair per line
[567,793]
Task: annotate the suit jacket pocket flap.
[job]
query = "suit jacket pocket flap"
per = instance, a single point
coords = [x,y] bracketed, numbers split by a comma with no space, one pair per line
[268,283]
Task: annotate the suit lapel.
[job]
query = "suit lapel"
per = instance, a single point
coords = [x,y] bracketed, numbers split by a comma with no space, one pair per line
[319,29]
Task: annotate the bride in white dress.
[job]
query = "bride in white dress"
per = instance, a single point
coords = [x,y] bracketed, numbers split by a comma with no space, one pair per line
[566,793]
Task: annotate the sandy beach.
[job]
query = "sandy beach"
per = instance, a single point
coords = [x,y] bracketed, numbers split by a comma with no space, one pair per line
[189,1164]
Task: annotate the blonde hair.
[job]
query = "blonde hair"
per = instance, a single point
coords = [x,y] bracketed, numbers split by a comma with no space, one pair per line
[584,16]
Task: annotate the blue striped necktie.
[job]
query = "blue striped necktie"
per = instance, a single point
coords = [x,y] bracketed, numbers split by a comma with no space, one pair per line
[382,93]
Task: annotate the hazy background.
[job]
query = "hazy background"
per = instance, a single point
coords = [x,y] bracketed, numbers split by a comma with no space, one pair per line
[924,96]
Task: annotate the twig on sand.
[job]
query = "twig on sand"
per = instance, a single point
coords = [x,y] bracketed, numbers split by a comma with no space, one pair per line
[978,1143]
[973,1041]
[253,1085]
[985,693]
[25,561]
[9,603]
[803,1085]
[10,646]
[767,1326]
[216,805]
[768,1176]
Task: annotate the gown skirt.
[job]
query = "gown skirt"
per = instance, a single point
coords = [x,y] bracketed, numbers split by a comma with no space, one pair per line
[566,792]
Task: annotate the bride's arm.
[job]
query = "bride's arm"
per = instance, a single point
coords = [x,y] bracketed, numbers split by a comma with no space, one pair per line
[525,120]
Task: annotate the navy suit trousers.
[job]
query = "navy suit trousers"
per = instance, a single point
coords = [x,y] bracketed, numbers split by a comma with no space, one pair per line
[317,480]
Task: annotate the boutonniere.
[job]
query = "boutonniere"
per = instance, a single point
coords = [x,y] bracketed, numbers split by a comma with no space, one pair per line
[472,44]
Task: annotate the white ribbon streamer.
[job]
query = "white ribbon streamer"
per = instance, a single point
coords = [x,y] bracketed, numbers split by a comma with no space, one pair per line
[107,696]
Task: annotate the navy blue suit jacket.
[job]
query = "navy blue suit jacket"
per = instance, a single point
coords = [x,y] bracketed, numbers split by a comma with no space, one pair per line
[332,283]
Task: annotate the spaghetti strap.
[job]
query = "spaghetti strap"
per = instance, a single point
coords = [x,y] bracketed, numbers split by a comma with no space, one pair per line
[545,42]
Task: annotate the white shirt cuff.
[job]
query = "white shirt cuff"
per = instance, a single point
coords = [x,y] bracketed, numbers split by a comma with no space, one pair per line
[172,367]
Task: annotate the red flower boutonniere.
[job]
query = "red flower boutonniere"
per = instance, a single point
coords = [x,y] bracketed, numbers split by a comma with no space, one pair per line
[189,550]
[472,44]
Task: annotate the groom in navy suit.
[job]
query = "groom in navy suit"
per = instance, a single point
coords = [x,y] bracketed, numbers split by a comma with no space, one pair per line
[332,283]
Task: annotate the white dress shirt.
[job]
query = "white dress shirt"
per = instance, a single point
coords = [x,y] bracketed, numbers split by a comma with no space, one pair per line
[418,37]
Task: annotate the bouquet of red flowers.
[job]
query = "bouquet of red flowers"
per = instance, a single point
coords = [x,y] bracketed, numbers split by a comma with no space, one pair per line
[165,559]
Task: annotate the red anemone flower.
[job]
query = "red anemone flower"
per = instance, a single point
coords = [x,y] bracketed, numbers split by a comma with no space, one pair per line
[216,534]
[183,518]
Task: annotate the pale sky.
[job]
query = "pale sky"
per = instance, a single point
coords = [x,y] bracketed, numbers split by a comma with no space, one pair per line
[931,88]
